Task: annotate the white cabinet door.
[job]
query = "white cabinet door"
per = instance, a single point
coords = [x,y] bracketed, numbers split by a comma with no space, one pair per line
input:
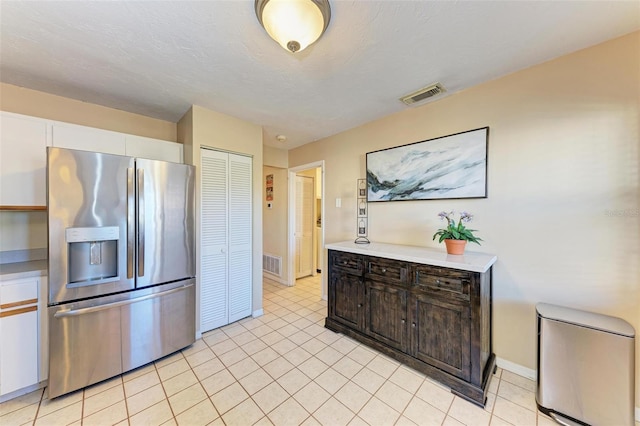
[304,225]
[153,149]
[23,161]
[226,230]
[88,139]
[19,358]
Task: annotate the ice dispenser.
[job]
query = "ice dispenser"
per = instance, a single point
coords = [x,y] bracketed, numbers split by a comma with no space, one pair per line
[93,255]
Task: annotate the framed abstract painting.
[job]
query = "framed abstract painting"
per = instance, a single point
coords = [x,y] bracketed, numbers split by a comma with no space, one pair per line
[448,167]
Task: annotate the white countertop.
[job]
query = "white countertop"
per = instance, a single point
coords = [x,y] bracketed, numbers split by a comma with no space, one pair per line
[469,261]
[18,270]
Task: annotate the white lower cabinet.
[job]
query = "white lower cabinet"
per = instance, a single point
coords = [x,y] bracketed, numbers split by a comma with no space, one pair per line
[226,238]
[19,333]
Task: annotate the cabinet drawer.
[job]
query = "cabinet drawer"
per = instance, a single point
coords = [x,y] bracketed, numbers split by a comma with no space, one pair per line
[387,271]
[347,262]
[443,281]
[18,293]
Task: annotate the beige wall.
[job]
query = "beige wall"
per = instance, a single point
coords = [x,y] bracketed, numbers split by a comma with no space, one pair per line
[44,105]
[563,178]
[22,230]
[275,219]
[201,127]
[275,157]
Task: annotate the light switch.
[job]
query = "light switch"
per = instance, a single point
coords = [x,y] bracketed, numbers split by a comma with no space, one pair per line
[338,202]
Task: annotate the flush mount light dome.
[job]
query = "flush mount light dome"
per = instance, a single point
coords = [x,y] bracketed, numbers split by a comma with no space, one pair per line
[294,24]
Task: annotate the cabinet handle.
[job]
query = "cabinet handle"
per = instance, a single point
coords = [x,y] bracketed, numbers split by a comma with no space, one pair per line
[413,324]
[383,270]
[403,321]
[438,282]
[359,305]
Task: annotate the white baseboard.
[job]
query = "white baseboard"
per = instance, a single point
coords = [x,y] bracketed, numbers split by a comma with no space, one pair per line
[516,368]
[637,414]
[258,313]
[274,278]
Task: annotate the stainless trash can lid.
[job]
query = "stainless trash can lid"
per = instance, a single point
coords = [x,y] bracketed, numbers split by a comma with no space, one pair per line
[587,319]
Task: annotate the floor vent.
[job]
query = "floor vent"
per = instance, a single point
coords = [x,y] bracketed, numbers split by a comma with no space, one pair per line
[272,264]
[423,94]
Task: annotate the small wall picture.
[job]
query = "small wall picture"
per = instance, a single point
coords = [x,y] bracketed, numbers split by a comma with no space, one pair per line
[362,227]
[269,187]
[362,207]
[362,187]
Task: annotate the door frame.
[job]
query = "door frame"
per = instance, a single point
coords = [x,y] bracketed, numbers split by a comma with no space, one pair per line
[292,220]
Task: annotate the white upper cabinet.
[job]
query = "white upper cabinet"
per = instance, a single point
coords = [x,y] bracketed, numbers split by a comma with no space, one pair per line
[88,139]
[23,160]
[23,153]
[153,149]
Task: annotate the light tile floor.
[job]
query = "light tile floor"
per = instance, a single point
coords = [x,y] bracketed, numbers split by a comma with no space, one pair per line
[283,368]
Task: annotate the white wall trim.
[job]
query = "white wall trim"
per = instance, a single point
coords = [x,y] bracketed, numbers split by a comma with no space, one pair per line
[275,278]
[637,414]
[292,223]
[258,313]
[517,368]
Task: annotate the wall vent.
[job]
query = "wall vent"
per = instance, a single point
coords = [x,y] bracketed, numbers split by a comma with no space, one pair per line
[272,264]
[423,94]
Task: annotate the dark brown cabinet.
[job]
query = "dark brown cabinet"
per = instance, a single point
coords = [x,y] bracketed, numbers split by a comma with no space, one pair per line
[434,319]
[386,314]
[346,289]
[440,334]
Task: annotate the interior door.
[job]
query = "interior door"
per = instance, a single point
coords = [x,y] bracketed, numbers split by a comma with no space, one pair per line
[240,253]
[166,229]
[214,228]
[305,199]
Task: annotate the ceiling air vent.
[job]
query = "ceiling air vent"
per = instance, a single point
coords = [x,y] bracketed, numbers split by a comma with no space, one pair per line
[423,94]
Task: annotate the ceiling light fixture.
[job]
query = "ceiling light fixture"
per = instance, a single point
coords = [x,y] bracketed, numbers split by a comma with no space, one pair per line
[294,24]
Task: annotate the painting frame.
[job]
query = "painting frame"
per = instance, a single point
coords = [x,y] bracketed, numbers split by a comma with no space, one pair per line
[449,167]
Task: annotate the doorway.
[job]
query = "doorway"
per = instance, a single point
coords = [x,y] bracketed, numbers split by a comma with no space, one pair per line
[306,230]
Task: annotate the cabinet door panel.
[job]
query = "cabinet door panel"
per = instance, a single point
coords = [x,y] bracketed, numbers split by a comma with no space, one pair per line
[153,149]
[347,293]
[23,161]
[19,352]
[88,139]
[440,334]
[386,314]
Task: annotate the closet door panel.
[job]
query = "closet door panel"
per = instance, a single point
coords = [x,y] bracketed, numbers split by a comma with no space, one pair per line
[215,239]
[240,236]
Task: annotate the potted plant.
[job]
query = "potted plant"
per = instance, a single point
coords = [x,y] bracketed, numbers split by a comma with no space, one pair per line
[455,236]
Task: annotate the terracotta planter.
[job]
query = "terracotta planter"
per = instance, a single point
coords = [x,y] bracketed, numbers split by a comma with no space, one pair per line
[455,246]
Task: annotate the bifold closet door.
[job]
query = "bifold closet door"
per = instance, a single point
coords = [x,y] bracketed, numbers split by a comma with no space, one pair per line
[226,224]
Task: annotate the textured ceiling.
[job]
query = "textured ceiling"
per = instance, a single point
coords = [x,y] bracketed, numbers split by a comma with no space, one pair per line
[157,58]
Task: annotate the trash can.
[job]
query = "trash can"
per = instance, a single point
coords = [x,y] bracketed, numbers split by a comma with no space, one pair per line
[585,367]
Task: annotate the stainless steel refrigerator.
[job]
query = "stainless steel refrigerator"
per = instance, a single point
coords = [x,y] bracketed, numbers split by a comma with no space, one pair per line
[121,264]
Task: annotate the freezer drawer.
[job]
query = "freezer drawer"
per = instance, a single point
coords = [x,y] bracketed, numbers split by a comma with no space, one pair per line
[585,366]
[97,339]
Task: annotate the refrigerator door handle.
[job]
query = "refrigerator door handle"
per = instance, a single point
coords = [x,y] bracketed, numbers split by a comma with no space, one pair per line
[140,222]
[130,221]
[75,312]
